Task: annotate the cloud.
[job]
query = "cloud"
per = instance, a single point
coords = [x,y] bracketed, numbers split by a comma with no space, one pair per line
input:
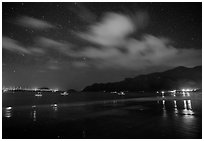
[119,50]
[37,50]
[50,43]
[33,23]
[111,31]
[16,47]
[155,51]
[53,65]
[141,54]
[111,46]
[79,64]
[83,13]
[41,46]
[62,47]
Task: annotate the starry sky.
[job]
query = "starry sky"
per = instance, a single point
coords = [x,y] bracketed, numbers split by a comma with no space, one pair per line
[72,45]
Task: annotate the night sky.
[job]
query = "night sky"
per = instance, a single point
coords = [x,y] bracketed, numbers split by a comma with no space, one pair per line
[72,45]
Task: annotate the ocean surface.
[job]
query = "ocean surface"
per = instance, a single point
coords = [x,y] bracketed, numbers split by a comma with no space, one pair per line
[95,116]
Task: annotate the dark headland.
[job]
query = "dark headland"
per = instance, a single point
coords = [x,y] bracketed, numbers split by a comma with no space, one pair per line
[177,78]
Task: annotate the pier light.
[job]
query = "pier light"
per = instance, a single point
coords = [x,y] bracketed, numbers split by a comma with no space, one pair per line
[34,106]
[5,90]
[162,94]
[53,105]
[55,90]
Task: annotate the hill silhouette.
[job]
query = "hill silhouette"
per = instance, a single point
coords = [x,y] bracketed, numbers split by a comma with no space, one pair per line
[177,78]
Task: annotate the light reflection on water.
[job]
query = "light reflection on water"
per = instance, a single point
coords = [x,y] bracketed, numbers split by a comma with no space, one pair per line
[163,104]
[183,93]
[180,116]
[184,103]
[175,105]
[175,114]
[175,108]
[183,111]
[164,109]
[188,94]
[171,113]
[186,110]
[8,112]
[54,107]
[189,104]
[34,115]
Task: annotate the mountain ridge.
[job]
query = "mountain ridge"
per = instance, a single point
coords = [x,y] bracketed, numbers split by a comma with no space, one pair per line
[176,78]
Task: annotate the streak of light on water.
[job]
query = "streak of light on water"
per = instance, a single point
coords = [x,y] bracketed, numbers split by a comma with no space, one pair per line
[8,112]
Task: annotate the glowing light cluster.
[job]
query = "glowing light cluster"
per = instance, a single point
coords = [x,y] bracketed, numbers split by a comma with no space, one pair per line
[188,90]
[5,89]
